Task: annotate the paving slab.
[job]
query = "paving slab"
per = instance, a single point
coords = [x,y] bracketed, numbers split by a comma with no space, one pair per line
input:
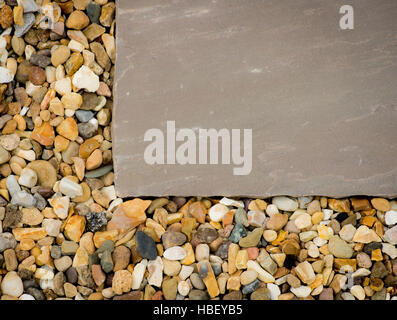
[320,102]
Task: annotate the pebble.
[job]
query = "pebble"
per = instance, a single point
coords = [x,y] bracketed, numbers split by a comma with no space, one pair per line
[277,221]
[175,253]
[24,199]
[172,238]
[85,78]
[391,217]
[302,291]
[146,246]
[366,235]
[252,239]
[6,76]
[217,212]
[138,274]
[95,221]
[29,19]
[28,178]
[339,248]
[12,284]
[358,292]
[274,291]
[285,203]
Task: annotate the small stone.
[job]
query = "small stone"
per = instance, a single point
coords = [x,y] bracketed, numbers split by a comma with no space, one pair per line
[69,247]
[77,20]
[10,260]
[260,294]
[63,263]
[303,221]
[93,12]
[202,252]
[29,19]
[305,272]
[70,188]
[147,247]
[60,206]
[96,220]
[237,233]
[248,277]
[285,203]
[12,284]
[174,253]
[252,239]
[263,275]
[339,248]
[122,281]
[97,274]
[274,291]
[217,212]
[74,228]
[6,17]
[138,274]
[85,78]
[391,235]
[28,178]
[390,250]
[121,258]
[207,275]
[128,215]
[7,241]
[366,235]
[68,129]
[171,239]
[4,155]
[277,221]
[84,116]
[347,232]
[381,204]
[60,55]
[46,173]
[106,261]
[391,217]
[302,291]
[24,199]
[31,216]
[256,218]
[155,269]
[358,292]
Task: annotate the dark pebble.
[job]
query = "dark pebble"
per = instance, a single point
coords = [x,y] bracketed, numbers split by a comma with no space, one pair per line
[249,288]
[223,250]
[40,60]
[96,220]
[93,12]
[36,293]
[237,233]
[71,275]
[198,295]
[234,295]
[146,246]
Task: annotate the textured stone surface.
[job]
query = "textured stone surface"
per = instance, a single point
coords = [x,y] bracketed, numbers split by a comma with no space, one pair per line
[321,101]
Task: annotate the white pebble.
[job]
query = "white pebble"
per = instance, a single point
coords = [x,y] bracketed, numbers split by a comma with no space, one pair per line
[70,188]
[391,217]
[12,284]
[271,209]
[217,212]
[285,203]
[84,78]
[175,253]
[6,75]
[274,291]
[28,178]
